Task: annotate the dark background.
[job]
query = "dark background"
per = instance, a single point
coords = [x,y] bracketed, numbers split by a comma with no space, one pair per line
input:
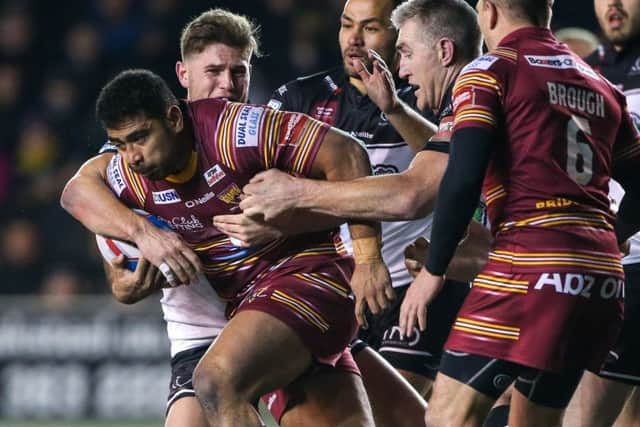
[54,57]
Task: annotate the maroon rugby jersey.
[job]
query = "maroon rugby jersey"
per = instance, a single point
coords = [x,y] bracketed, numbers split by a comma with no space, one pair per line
[562,128]
[233,142]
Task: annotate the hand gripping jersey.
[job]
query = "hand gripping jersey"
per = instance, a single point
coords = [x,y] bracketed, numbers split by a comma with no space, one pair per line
[329,97]
[622,69]
[232,143]
[550,295]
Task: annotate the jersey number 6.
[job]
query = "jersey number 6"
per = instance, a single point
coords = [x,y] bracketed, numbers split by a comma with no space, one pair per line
[579,152]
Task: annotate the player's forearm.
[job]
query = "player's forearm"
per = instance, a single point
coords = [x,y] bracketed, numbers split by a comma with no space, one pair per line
[414,129]
[304,221]
[89,200]
[407,195]
[127,293]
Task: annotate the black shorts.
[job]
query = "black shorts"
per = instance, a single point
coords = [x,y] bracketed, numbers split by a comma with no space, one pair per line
[492,377]
[420,353]
[182,367]
[623,362]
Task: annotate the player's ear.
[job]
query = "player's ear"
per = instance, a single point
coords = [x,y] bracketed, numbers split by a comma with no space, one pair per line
[493,14]
[446,51]
[183,75]
[175,118]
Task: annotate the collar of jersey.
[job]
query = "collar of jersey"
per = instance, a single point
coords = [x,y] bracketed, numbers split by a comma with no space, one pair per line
[187,173]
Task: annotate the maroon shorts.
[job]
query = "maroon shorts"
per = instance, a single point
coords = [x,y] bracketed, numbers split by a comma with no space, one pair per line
[278,402]
[311,295]
[549,321]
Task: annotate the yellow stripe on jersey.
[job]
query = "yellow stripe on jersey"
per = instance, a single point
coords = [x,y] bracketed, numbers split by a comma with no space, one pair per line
[302,308]
[596,263]
[272,122]
[505,52]
[501,284]
[475,114]
[226,137]
[564,218]
[319,279]
[494,194]
[487,329]
[305,144]
[477,79]
[135,184]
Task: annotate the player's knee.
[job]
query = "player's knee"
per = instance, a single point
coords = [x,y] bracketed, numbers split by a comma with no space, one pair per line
[213,383]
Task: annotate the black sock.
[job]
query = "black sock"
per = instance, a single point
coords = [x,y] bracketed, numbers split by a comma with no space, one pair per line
[498,417]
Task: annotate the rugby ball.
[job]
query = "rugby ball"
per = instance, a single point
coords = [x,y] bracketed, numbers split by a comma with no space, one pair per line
[111,248]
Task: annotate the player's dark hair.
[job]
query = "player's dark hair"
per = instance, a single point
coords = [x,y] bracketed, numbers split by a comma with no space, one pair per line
[452,19]
[132,93]
[220,26]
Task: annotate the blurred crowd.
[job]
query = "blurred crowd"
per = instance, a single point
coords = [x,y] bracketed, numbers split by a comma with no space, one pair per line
[53,61]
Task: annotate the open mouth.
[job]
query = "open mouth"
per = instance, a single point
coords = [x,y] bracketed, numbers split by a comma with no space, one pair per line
[615,19]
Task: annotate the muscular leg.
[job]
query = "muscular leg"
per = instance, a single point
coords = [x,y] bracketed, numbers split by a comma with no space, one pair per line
[419,382]
[455,404]
[597,402]
[186,412]
[499,414]
[525,413]
[630,415]
[254,354]
[394,401]
[328,398]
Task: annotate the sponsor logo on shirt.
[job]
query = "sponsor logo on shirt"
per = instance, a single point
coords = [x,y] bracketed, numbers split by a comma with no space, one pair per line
[282,90]
[114,176]
[231,194]
[482,63]
[322,112]
[275,104]
[384,169]
[200,201]
[186,224]
[214,175]
[581,285]
[166,197]
[247,126]
[561,62]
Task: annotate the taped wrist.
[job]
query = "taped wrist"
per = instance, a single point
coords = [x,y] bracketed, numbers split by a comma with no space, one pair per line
[366,250]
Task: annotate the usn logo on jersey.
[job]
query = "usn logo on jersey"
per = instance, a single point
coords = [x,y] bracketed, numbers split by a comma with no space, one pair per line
[248,126]
[166,197]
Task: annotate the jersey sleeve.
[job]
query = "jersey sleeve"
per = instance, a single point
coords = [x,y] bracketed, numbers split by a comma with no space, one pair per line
[107,147]
[295,143]
[477,100]
[125,183]
[281,99]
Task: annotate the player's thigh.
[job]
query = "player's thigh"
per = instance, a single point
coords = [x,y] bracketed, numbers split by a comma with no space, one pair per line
[328,398]
[540,397]
[186,412]
[456,404]
[255,353]
[630,415]
[596,402]
[393,400]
